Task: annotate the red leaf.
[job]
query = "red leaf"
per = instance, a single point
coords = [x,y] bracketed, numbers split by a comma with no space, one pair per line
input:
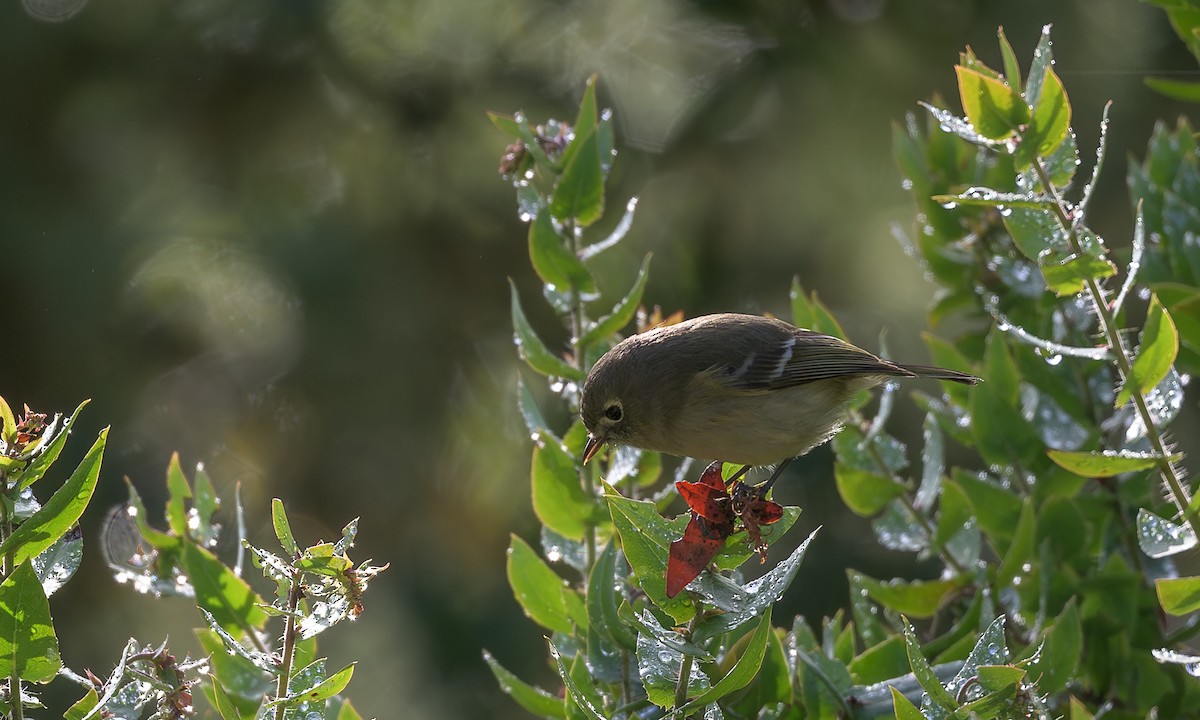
[707,497]
[691,554]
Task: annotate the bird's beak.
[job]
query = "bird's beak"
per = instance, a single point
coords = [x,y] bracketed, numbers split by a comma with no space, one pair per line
[591,447]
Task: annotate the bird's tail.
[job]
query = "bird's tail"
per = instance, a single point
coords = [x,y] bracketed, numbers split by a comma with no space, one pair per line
[937,373]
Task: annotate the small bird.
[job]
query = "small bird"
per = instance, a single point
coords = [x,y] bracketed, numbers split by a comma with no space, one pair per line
[742,389]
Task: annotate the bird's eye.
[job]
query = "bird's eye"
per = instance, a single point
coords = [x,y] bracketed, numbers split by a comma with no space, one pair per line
[613,412]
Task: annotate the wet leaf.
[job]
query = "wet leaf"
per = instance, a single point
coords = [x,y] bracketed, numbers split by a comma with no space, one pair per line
[622,313]
[937,695]
[1178,596]
[28,647]
[283,529]
[585,705]
[865,492]
[742,672]
[646,539]
[903,708]
[1061,648]
[918,598]
[578,197]
[1156,352]
[61,512]
[1159,537]
[559,500]
[993,108]
[1106,463]
[533,351]
[537,588]
[553,261]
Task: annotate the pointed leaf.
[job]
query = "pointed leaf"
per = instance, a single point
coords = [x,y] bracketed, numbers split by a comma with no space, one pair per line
[234,605]
[1178,596]
[578,197]
[993,108]
[559,500]
[646,539]
[1012,71]
[1106,463]
[531,348]
[864,492]
[589,711]
[903,708]
[537,587]
[283,529]
[622,313]
[554,263]
[742,672]
[1156,352]
[938,695]
[28,647]
[61,512]
[40,464]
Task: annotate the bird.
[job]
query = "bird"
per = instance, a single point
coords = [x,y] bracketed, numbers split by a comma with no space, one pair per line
[744,389]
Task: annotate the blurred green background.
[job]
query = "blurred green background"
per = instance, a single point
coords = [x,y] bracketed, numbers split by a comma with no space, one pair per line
[270,234]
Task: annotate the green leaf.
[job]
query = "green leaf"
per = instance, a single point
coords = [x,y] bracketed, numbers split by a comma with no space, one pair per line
[864,492]
[534,699]
[743,603]
[992,107]
[1051,115]
[559,500]
[347,712]
[578,197]
[1178,596]
[1034,231]
[995,678]
[537,587]
[622,313]
[8,423]
[996,509]
[1059,653]
[83,708]
[61,512]
[224,706]
[646,539]
[1106,463]
[40,464]
[233,604]
[1067,276]
[28,647]
[1000,371]
[742,672]
[531,348]
[1001,434]
[590,711]
[582,678]
[553,261]
[506,124]
[1012,71]
[1020,549]
[1156,352]
[903,708]
[809,312]
[986,197]
[323,690]
[883,661]
[602,599]
[178,493]
[245,683]
[918,598]
[1175,89]
[928,680]
[283,529]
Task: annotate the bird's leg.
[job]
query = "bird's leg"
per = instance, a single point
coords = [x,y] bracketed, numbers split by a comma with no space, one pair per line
[766,487]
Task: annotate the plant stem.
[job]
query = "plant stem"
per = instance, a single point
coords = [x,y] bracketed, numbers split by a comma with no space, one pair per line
[586,478]
[6,529]
[685,665]
[1116,343]
[920,519]
[289,644]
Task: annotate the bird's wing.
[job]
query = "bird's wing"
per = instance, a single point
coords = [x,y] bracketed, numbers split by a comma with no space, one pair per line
[804,357]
